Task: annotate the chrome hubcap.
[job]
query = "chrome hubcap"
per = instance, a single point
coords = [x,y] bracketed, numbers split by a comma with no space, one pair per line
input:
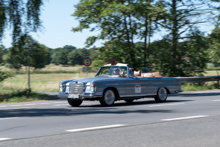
[162,93]
[109,97]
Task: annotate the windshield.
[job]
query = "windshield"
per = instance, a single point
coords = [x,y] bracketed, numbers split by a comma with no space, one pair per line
[112,71]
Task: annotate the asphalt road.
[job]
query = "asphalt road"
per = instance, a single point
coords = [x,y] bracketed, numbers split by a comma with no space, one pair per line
[185,120]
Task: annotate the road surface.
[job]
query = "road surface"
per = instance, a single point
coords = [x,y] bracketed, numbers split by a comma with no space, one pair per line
[186,119]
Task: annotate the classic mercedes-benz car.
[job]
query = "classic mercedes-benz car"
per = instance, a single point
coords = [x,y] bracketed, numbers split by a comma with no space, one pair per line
[119,82]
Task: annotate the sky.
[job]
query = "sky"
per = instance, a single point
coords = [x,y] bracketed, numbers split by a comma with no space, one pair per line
[57,24]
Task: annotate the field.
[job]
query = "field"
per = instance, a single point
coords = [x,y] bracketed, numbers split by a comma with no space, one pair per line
[44,80]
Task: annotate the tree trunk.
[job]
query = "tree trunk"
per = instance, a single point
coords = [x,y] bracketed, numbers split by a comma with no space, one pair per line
[174,39]
[149,35]
[145,41]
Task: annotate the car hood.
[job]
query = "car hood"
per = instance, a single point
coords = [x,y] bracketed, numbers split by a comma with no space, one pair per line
[97,79]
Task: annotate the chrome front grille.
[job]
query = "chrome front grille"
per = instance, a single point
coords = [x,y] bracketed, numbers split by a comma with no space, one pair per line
[76,88]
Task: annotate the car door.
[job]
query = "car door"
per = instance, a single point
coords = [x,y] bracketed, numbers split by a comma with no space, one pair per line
[135,86]
[152,84]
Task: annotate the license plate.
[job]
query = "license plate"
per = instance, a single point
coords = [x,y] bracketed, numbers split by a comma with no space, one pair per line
[74,96]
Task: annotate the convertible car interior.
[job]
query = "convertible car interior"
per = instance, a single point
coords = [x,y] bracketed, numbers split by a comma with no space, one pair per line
[154,74]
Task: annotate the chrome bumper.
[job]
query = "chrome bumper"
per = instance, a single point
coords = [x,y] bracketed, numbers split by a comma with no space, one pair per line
[82,96]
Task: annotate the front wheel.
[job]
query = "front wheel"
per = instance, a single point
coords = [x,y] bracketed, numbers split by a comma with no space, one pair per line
[74,103]
[161,95]
[108,98]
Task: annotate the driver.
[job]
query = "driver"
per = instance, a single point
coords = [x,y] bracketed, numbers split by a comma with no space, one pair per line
[131,72]
[116,71]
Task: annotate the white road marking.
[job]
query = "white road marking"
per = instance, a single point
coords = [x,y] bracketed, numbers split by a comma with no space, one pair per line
[216,100]
[44,103]
[95,128]
[2,106]
[60,105]
[1,139]
[183,118]
[8,118]
[30,104]
[170,104]
[11,108]
[15,105]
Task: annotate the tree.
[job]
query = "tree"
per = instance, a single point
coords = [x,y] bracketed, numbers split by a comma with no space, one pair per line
[39,54]
[60,57]
[2,52]
[4,75]
[12,60]
[76,56]
[118,22]
[69,47]
[182,15]
[193,53]
[18,54]
[148,12]
[214,48]
[22,17]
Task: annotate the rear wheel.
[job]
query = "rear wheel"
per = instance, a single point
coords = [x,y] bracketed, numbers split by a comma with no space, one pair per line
[108,98]
[161,95]
[74,103]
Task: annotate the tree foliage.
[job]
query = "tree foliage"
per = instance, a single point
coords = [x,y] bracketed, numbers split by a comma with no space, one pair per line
[214,48]
[119,21]
[21,16]
[123,23]
[181,17]
[2,52]
[4,75]
[18,54]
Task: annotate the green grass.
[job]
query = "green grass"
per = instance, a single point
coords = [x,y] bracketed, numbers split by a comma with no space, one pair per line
[43,80]
[200,86]
[23,96]
[39,82]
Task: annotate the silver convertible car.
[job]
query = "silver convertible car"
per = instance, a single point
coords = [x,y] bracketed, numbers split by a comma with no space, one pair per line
[119,82]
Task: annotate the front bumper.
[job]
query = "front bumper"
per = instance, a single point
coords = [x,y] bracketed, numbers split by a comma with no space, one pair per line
[82,96]
[62,95]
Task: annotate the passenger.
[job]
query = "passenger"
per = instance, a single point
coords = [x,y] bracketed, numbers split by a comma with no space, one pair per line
[112,61]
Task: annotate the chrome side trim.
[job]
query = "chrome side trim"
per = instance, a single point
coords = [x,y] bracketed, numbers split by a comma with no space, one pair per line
[136,95]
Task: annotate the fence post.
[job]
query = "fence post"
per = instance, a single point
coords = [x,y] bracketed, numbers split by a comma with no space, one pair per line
[217,80]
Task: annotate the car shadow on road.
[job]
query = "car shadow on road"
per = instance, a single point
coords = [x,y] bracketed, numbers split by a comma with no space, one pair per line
[119,108]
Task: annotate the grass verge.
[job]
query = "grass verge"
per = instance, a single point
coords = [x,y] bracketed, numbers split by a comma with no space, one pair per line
[23,96]
[200,86]
[39,82]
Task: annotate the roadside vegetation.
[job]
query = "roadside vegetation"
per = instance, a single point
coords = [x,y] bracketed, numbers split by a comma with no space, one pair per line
[14,88]
[23,96]
[200,86]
